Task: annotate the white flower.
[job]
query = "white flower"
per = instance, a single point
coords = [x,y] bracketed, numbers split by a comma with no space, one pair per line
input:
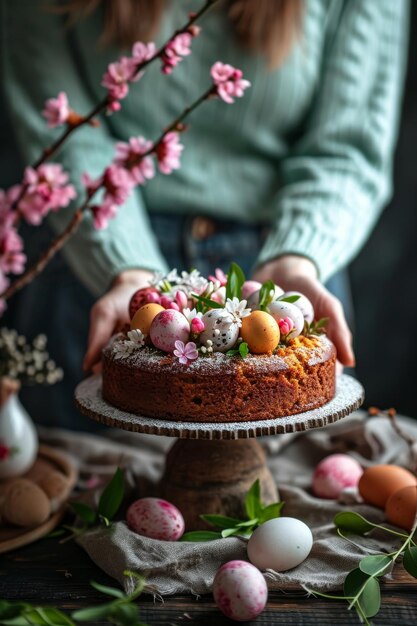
[156,279]
[123,349]
[190,314]
[193,282]
[237,308]
[137,337]
[172,276]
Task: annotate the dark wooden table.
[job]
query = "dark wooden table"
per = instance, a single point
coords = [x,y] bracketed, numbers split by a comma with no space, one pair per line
[47,572]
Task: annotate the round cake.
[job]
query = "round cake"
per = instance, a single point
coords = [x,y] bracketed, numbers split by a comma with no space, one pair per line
[251,356]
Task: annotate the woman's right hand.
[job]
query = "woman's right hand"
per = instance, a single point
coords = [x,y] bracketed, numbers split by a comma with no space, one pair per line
[111,312]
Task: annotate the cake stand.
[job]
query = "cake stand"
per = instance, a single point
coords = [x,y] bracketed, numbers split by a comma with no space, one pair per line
[211,466]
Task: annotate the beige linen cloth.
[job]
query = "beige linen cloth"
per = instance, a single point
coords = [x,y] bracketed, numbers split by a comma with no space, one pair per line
[176,567]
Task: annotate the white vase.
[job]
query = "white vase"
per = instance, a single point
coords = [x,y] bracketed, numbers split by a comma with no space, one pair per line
[18,439]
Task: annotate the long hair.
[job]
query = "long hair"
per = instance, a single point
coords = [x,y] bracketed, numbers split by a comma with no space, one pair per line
[269,27]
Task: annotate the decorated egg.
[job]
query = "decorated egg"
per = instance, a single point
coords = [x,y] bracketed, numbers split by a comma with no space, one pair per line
[141,297]
[303,304]
[401,507]
[220,329]
[167,327]
[144,317]
[379,482]
[240,590]
[248,288]
[280,544]
[253,299]
[261,332]
[155,518]
[280,310]
[334,474]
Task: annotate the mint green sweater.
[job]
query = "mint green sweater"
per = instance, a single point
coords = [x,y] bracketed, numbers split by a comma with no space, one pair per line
[308,149]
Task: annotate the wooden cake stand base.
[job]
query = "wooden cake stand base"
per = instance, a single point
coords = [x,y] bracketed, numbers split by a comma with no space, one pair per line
[212,466]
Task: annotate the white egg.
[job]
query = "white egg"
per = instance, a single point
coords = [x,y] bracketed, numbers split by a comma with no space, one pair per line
[240,590]
[303,303]
[221,331]
[279,310]
[253,299]
[280,544]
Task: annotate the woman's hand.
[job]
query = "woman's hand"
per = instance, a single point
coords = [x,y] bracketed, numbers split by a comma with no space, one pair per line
[294,273]
[110,312]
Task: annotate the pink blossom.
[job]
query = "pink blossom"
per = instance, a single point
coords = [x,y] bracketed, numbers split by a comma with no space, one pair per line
[143,51]
[12,259]
[181,299]
[285,325]
[153,297]
[47,190]
[113,107]
[174,51]
[56,110]
[118,76]
[228,81]
[197,325]
[130,156]
[219,276]
[168,153]
[185,353]
[103,213]
[117,183]
[167,303]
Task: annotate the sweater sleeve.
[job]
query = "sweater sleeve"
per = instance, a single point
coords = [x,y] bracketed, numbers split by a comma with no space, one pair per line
[337,177]
[37,63]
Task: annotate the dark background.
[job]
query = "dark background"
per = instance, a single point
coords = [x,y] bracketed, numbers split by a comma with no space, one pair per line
[384,276]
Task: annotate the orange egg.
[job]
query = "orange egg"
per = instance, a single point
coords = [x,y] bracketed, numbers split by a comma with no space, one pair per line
[401,507]
[261,332]
[144,316]
[379,482]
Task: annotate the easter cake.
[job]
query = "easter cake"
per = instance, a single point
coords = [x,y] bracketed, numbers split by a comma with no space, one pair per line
[220,349]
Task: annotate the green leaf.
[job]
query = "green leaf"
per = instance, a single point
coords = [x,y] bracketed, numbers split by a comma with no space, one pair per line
[354,582]
[375,565]
[357,583]
[243,349]
[410,561]
[248,523]
[124,615]
[235,280]
[112,496]
[221,521]
[140,583]
[47,616]
[209,303]
[201,535]
[84,512]
[92,613]
[228,532]
[232,352]
[290,299]
[10,610]
[271,512]
[353,522]
[110,591]
[253,501]
[265,294]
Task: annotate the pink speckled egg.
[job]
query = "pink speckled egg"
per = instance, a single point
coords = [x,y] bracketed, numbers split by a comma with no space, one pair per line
[155,518]
[240,590]
[168,327]
[303,303]
[334,474]
[248,288]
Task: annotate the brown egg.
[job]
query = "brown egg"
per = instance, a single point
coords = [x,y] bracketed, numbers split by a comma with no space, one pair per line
[144,316]
[24,504]
[401,507]
[260,331]
[379,482]
[56,487]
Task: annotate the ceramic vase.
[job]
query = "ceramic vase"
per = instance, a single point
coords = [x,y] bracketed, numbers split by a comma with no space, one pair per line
[18,437]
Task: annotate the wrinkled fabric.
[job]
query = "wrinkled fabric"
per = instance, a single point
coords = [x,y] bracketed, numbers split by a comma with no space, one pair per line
[176,567]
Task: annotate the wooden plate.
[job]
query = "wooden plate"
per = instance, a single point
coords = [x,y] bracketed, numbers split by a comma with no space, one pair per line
[48,459]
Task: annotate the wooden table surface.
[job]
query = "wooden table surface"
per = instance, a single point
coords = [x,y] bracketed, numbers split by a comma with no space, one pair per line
[50,573]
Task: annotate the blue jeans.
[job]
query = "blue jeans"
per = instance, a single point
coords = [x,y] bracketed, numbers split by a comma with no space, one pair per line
[58,305]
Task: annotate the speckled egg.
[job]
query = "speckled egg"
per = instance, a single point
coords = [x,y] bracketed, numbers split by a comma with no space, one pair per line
[379,482]
[261,332]
[401,507]
[334,474]
[279,310]
[240,590]
[222,332]
[248,288]
[253,299]
[155,518]
[303,303]
[280,544]
[141,297]
[168,327]
[144,317]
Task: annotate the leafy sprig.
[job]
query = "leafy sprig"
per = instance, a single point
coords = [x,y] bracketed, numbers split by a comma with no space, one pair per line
[266,295]
[235,280]
[361,587]
[316,327]
[257,513]
[242,350]
[122,611]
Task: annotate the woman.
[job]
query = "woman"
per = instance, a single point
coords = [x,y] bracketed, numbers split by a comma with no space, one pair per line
[288,181]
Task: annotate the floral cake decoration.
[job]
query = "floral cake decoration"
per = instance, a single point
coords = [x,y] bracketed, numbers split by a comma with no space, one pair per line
[190,316]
